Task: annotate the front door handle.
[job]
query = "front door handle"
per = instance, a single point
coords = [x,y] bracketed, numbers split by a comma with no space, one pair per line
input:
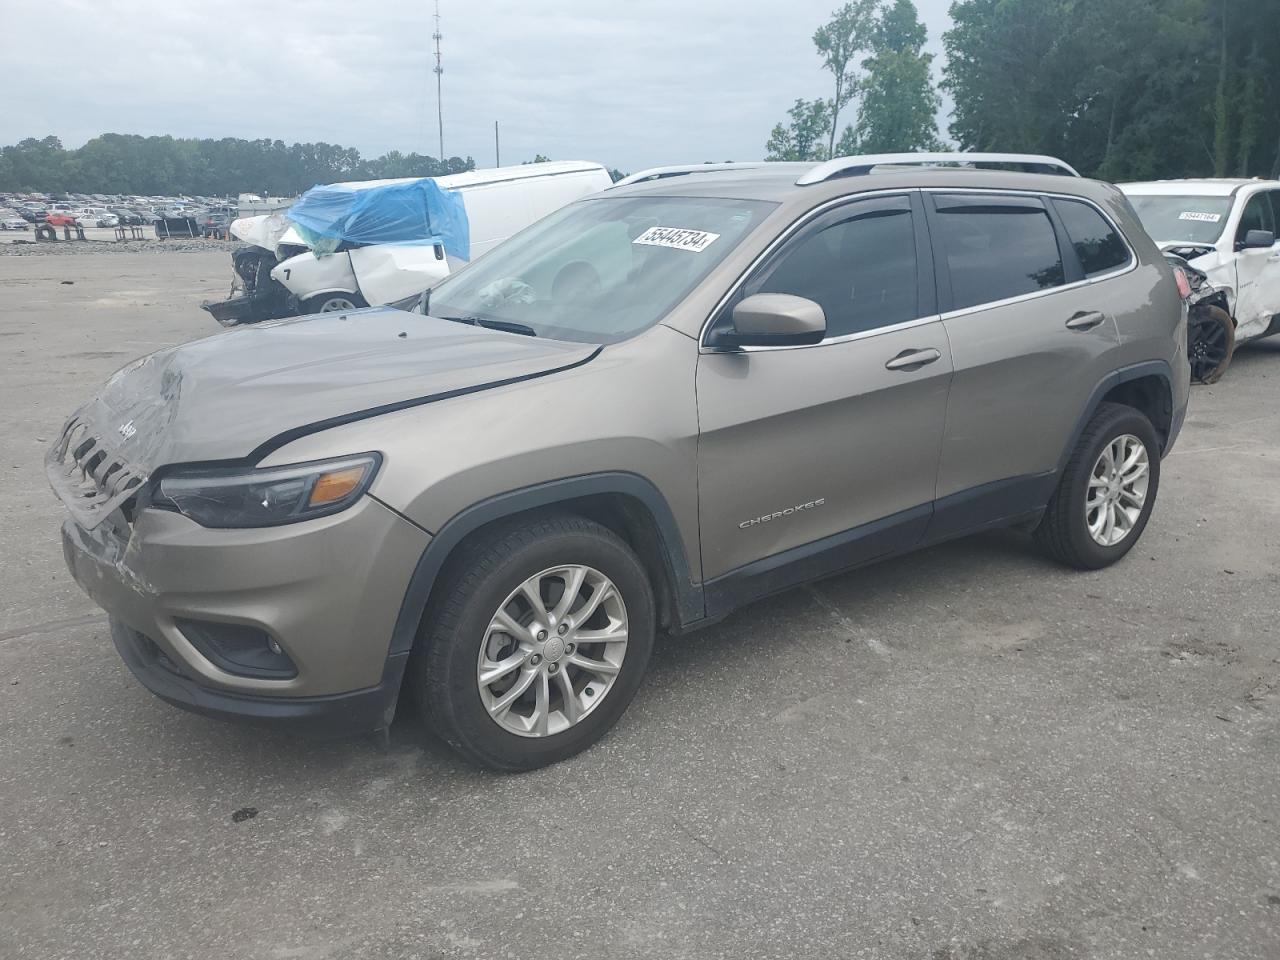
[1086,321]
[912,359]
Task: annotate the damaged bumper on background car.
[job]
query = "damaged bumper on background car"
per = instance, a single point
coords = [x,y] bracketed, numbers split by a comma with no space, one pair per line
[255,294]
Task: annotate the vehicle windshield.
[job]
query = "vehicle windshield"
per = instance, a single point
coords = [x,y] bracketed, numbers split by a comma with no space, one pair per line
[1186,219]
[600,270]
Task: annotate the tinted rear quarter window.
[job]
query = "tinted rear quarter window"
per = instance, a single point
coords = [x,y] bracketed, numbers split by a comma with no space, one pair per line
[997,248]
[1096,242]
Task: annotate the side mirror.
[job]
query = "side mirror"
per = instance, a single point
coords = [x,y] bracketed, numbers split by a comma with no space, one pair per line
[1258,239]
[774,320]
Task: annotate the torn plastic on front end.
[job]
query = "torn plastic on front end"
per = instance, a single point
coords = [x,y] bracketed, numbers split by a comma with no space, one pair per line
[105,453]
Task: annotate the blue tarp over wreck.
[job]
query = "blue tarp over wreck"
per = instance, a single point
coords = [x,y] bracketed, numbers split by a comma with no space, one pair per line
[415,211]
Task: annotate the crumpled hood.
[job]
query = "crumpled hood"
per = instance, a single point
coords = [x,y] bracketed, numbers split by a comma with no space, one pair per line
[224,397]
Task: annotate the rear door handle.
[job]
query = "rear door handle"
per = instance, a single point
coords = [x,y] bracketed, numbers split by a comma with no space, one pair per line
[912,359]
[1086,321]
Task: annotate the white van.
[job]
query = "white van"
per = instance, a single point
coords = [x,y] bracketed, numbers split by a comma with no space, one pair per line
[499,202]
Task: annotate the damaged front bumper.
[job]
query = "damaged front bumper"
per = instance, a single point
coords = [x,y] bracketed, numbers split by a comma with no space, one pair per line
[322,594]
[261,296]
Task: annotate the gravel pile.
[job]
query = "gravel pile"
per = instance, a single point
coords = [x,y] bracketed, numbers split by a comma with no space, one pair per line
[62,247]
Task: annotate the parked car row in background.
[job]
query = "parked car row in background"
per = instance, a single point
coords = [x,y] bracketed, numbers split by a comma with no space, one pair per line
[23,211]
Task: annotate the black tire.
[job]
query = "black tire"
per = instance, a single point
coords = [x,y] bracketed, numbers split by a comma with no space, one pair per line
[46,232]
[323,303]
[1211,342]
[442,670]
[1063,532]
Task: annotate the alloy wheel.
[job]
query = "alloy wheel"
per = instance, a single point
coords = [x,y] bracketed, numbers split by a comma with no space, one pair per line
[552,651]
[1207,348]
[1117,490]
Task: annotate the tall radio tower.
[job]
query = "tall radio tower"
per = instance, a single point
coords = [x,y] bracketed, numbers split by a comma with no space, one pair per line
[438,70]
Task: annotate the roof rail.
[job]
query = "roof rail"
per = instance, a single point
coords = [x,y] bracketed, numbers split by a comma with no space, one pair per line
[680,170]
[856,166]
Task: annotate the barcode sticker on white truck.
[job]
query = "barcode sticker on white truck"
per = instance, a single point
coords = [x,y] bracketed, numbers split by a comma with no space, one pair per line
[677,238]
[1204,217]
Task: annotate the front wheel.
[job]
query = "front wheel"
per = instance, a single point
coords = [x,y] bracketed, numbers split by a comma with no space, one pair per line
[1211,342]
[536,644]
[332,303]
[1105,495]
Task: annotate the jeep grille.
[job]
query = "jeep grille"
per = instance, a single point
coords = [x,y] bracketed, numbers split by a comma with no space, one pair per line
[88,476]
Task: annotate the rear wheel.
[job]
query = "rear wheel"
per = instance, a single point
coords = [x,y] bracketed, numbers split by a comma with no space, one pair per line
[333,302]
[1106,492]
[1211,341]
[537,643]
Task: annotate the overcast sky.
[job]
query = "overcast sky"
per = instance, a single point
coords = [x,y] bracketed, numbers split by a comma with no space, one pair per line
[634,85]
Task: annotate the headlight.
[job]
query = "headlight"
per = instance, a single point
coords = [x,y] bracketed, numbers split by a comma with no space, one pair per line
[270,496]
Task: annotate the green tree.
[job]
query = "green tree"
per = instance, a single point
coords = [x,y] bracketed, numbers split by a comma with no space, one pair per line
[839,41]
[802,138]
[1221,101]
[127,163]
[899,106]
[1123,89]
[1001,67]
[36,165]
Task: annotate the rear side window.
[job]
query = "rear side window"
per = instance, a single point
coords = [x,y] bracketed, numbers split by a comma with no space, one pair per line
[1096,242]
[997,247]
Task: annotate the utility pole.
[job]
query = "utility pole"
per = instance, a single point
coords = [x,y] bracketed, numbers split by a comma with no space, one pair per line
[497,154]
[439,70]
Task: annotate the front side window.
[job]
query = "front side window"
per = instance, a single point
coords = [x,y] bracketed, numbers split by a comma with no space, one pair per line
[997,247]
[1096,242]
[859,265]
[1182,219]
[1256,216]
[600,270]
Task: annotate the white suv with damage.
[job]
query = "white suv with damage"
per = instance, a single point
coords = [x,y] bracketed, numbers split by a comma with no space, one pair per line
[1227,230]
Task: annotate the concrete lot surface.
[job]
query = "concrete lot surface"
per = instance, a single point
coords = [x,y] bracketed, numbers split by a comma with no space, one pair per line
[965,754]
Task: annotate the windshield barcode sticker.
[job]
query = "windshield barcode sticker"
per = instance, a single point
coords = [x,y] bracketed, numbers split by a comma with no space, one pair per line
[1205,217]
[677,238]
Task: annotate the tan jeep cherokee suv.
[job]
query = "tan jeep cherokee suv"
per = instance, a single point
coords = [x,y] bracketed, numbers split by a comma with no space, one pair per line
[662,402]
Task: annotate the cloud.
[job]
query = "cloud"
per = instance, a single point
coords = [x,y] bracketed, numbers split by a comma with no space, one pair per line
[636,85]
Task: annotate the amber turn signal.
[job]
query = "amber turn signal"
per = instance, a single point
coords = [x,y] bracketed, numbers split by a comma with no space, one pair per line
[335,485]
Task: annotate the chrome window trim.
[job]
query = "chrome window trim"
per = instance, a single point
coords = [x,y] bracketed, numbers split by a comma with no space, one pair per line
[817,211]
[847,338]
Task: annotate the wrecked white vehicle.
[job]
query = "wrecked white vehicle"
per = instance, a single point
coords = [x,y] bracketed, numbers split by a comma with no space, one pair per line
[349,245]
[1228,231]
